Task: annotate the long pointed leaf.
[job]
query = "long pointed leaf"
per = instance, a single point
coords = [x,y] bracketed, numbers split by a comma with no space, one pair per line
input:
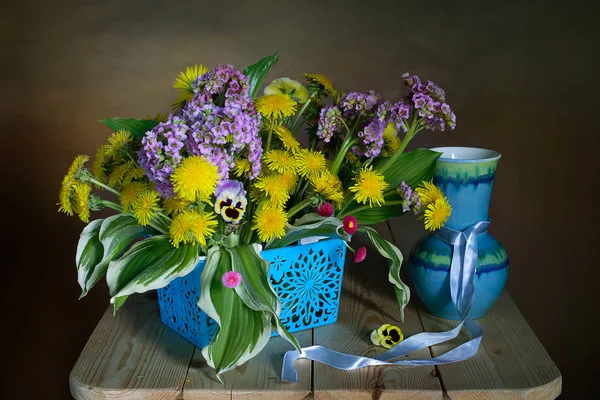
[89,253]
[149,264]
[137,127]
[256,72]
[314,226]
[393,254]
[255,290]
[243,332]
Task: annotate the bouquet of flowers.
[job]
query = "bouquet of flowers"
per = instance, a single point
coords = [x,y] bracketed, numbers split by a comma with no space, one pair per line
[224,176]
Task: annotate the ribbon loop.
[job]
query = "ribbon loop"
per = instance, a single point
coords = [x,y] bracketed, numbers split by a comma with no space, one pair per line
[462,273]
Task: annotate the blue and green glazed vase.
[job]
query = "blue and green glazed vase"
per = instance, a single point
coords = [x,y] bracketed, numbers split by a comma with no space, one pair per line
[466,176]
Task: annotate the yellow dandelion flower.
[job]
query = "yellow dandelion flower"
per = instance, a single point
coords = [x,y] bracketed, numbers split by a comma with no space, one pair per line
[145,206]
[322,81]
[280,161]
[428,193]
[329,186]
[287,138]
[270,222]
[275,106]
[77,165]
[65,195]
[369,187]
[130,193]
[204,227]
[98,164]
[437,213]
[82,192]
[274,188]
[174,205]
[186,78]
[290,87]
[289,180]
[118,143]
[117,176]
[241,167]
[191,227]
[310,163]
[391,141]
[195,177]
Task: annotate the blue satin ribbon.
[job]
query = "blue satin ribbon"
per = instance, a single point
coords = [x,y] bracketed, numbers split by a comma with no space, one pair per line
[462,272]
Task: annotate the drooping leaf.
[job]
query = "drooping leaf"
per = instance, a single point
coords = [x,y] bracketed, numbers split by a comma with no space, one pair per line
[150,264]
[89,253]
[243,332]
[394,256]
[255,290]
[256,72]
[137,127]
[116,233]
[312,226]
[375,215]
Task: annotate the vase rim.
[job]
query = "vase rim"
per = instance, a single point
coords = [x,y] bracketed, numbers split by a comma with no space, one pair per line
[458,154]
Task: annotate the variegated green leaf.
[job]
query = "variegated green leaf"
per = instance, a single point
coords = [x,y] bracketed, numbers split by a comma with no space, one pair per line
[309,226]
[255,290]
[256,72]
[150,264]
[394,256]
[116,234]
[89,253]
[243,332]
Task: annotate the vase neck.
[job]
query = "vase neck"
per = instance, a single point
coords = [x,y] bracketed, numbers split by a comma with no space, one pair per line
[468,187]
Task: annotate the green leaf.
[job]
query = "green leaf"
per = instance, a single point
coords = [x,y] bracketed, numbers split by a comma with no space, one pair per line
[255,290]
[310,226]
[116,234]
[150,264]
[89,253]
[137,127]
[375,215]
[243,332]
[412,168]
[256,72]
[394,256]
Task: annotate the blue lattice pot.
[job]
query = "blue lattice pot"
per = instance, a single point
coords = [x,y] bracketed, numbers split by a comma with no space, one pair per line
[307,279]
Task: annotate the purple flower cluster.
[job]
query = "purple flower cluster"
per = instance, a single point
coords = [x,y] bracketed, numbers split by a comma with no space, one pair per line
[329,122]
[162,150]
[371,139]
[223,121]
[356,102]
[410,198]
[429,102]
[219,123]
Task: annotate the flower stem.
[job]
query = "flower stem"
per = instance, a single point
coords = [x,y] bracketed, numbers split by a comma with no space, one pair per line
[412,131]
[105,187]
[298,207]
[293,128]
[270,135]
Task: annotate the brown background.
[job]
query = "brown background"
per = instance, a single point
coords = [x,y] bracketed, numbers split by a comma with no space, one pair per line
[521,76]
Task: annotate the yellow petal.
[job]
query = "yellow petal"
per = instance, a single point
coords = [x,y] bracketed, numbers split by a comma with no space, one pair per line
[288,86]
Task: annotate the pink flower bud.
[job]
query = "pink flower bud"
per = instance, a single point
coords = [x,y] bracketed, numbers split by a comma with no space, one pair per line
[325,210]
[360,255]
[231,279]
[350,224]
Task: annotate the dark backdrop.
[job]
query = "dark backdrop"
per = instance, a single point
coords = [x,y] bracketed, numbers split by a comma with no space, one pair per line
[521,75]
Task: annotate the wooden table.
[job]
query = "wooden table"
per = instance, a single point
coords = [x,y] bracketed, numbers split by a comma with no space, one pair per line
[134,356]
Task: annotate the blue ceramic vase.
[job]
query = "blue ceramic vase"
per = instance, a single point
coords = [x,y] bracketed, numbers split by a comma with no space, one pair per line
[466,176]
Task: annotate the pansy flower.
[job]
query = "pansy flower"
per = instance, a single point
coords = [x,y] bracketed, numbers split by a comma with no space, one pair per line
[387,336]
[231,200]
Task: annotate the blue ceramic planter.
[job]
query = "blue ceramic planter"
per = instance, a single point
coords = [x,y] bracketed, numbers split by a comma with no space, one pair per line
[466,176]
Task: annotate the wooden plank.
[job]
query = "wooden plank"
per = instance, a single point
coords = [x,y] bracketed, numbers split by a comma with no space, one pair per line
[202,383]
[368,301]
[511,362]
[132,356]
[261,376]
